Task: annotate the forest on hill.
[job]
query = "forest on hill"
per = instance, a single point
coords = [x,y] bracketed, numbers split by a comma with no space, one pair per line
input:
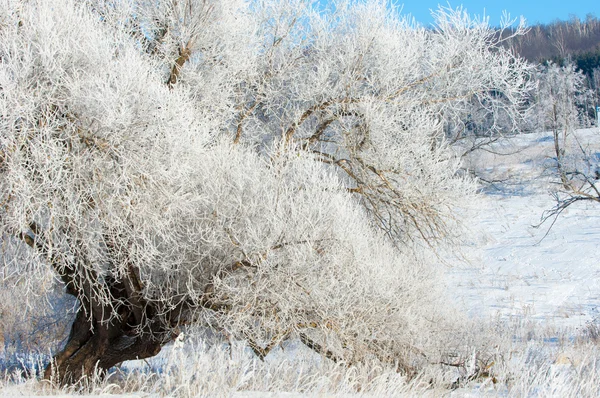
[574,40]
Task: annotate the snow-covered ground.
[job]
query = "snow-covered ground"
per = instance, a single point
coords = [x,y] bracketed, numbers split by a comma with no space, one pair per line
[519,272]
[520,268]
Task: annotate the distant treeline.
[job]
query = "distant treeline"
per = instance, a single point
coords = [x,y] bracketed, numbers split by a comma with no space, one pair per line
[575,40]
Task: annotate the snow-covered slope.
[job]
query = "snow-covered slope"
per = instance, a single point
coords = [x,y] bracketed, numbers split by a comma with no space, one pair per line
[550,274]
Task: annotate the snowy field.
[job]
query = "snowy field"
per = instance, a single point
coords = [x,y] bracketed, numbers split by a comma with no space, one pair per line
[520,268]
[517,271]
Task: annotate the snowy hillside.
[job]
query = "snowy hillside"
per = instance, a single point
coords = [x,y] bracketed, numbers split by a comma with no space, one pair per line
[518,270]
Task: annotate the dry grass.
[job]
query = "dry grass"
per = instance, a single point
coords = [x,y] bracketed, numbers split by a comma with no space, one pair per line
[518,359]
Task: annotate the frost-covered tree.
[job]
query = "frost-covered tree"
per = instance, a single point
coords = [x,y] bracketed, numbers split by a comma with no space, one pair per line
[479,120]
[257,168]
[561,96]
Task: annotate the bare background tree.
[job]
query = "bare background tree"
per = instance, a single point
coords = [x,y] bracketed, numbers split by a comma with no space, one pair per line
[560,108]
[266,171]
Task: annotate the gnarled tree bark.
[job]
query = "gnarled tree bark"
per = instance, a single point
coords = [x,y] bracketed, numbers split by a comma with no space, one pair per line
[96,346]
[103,334]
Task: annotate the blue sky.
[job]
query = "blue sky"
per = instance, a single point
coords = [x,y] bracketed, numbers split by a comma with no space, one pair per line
[533,10]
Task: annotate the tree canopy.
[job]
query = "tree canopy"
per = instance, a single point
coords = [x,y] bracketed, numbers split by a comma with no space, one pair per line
[258,168]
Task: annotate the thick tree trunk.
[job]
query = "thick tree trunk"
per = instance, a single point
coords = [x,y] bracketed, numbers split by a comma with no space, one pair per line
[92,347]
[104,334]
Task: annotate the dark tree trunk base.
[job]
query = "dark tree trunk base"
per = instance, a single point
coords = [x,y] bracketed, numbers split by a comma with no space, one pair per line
[91,351]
